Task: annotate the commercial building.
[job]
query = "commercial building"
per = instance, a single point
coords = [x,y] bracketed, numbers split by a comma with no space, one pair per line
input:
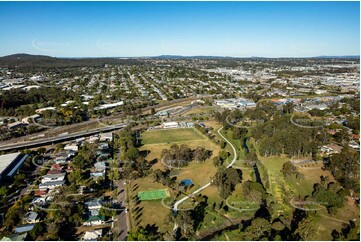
[10,163]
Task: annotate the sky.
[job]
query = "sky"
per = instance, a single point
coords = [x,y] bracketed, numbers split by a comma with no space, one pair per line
[131,29]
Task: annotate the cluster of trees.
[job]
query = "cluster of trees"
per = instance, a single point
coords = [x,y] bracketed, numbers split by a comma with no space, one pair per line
[280,136]
[14,98]
[36,63]
[163,177]
[63,216]
[353,122]
[226,179]
[301,226]
[263,112]
[188,221]
[80,164]
[147,233]
[329,195]
[350,232]
[134,164]
[220,158]
[345,168]
[179,156]
[125,141]
[205,131]
[254,190]
[288,170]
[64,116]
[15,213]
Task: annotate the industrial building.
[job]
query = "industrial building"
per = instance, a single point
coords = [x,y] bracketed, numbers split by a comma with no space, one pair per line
[10,163]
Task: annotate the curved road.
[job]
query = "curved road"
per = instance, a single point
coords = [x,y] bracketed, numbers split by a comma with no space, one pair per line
[175,209]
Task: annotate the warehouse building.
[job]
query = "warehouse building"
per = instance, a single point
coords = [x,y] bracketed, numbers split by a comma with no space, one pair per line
[10,163]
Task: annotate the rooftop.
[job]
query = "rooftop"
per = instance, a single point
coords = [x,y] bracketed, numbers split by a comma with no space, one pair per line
[5,160]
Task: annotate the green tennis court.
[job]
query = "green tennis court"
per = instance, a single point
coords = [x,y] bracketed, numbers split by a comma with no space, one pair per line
[153,195]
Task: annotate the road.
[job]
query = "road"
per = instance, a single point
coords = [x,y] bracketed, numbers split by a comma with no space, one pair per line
[50,140]
[12,144]
[122,219]
[208,184]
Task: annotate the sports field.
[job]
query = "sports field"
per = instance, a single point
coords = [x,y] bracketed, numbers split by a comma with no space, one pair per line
[153,195]
[170,136]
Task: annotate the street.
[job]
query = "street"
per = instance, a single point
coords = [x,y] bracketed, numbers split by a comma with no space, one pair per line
[122,222]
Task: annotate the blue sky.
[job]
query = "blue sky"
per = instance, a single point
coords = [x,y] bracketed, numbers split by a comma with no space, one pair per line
[243,29]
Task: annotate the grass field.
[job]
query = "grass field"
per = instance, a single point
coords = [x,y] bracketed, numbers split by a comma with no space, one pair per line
[153,195]
[153,211]
[170,136]
[200,110]
[146,212]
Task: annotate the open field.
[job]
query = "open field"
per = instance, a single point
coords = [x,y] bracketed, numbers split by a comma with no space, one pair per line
[199,173]
[146,212]
[154,212]
[200,110]
[153,195]
[170,136]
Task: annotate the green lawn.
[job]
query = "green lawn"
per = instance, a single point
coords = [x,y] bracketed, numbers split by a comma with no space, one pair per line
[153,195]
[170,136]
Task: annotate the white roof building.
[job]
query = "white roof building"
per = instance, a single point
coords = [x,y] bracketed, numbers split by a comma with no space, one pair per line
[40,110]
[168,125]
[93,235]
[10,163]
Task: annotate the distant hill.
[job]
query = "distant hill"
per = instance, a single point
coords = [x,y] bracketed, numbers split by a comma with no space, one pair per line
[191,57]
[26,62]
[26,56]
[338,57]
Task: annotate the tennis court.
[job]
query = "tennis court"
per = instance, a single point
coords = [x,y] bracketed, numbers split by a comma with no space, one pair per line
[153,195]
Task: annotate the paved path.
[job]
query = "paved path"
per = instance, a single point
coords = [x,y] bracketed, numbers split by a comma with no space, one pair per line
[208,184]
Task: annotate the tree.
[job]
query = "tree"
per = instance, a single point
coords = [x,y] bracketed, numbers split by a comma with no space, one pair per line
[79,162]
[307,228]
[131,154]
[37,230]
[345,168]
[217,161]
[288,108]
[3,191]
[342,136]
[41,150]
[238,133]
[76,177]
[148,233]
[226,179]
[350,232]
[19,179]
[186,223]
[328,196]
[260,229]
[201,154]
[288,169]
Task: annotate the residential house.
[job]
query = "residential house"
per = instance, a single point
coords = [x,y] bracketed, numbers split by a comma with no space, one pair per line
[93,235]
[51,185]
[15,237]
[32,218]
[106,137]
[94,220]
[24,228]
